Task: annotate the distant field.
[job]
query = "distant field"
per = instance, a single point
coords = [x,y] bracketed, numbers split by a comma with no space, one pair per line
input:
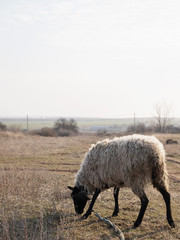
[84,124]
[36,123]
[35,202]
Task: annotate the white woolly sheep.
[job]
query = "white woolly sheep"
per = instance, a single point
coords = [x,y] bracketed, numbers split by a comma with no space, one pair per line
[130,161]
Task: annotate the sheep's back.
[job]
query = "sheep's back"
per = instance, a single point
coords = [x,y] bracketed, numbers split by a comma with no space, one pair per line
[121,161]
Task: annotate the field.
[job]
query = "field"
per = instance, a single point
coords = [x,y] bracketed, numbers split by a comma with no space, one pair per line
[35,202]
[84,124]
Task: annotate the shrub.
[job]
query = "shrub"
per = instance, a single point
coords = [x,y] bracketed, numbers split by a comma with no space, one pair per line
[46,132]
[139,128]
[101,132]
[65,133]
[14,128]
[64,127]
[173,129]
[3,127]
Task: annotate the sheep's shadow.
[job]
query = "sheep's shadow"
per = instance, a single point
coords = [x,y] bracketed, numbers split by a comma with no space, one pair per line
[151,233]
[70,219]
[145,235]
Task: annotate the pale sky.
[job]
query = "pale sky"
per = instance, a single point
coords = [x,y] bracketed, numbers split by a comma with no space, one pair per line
[91,58]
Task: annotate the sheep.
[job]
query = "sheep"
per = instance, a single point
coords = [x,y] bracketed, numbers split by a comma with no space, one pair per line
[130,161]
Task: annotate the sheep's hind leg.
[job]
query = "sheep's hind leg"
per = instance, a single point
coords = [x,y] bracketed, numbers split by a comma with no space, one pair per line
[166,197]
[116,208]
[86,215]
[144,203]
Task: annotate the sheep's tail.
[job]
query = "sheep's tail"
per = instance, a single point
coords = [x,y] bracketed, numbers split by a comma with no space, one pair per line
[160,175]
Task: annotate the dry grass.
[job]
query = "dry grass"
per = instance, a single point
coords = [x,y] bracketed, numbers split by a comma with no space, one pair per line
[35,202]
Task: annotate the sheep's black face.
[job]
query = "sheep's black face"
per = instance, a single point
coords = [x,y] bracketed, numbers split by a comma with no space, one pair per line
[80,198]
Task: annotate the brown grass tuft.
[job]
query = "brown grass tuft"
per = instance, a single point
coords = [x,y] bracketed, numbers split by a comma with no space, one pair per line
[11,135]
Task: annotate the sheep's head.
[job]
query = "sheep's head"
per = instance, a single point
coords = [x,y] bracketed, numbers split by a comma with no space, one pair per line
[79,197]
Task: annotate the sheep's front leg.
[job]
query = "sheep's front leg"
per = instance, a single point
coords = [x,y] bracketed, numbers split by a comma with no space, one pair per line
[116,209]
[86,215]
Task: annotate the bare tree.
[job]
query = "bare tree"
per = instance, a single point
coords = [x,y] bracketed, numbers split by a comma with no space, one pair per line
[163,117]
[65,127]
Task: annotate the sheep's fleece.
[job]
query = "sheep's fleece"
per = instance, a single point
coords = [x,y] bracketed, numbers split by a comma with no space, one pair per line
[128,161]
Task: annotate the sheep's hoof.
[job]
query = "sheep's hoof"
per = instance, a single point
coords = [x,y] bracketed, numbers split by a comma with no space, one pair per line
[171,223]
[85,216]
[136,224]
[115,214]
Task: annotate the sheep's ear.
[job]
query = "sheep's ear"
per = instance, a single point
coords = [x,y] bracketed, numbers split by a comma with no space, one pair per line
[71,188]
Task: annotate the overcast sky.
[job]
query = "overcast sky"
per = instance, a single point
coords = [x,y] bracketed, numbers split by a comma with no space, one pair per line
[89,58]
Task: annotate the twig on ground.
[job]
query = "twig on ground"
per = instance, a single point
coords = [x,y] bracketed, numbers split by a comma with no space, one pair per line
[117,230]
